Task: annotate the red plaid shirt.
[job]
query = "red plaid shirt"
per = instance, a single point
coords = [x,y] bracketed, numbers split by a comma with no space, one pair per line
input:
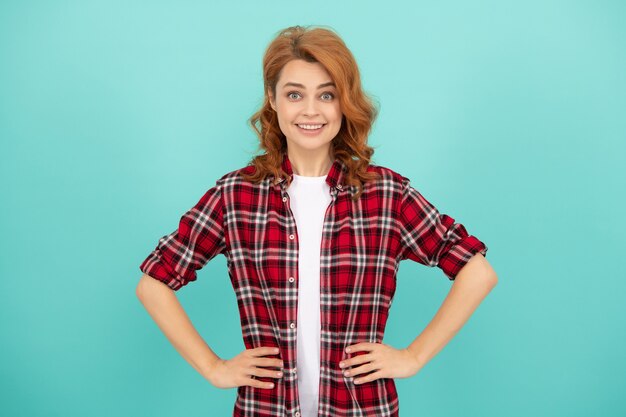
[363,243]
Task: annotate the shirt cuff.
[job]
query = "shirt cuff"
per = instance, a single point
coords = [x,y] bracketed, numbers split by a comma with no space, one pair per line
[460,254]
[161,271]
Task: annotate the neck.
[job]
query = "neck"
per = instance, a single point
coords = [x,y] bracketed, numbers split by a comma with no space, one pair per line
[310,164]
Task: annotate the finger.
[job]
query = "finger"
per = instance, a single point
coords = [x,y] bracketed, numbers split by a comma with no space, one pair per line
[357,360]
[359,370]
[368,378]
[259,384]
[268,362]
[263,351]
[360,347]
[267,372]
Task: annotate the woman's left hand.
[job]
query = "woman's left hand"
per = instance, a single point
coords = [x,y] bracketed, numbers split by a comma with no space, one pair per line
[386,361]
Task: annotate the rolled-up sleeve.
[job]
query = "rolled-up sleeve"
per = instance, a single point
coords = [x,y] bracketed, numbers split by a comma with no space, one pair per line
[432,238]
[198,239]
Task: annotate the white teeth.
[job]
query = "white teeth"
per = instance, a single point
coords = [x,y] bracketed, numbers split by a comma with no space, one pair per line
[310,127]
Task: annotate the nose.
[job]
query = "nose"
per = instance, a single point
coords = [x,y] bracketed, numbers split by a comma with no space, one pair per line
[310,107]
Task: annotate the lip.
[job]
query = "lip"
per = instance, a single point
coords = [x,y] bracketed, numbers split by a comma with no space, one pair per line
[309,132]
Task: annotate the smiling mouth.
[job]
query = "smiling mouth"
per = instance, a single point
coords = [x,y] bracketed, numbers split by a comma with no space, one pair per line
[311,126]
[310,129]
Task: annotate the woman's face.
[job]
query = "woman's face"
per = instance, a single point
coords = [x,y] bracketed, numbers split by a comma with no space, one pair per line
[308,109]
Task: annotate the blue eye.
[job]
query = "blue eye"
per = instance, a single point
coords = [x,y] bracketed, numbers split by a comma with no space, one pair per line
[291,95]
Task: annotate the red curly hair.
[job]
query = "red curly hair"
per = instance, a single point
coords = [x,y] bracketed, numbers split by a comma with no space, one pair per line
[316,44]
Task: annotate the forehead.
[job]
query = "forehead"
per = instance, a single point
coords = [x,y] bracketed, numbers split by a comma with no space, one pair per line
[310,74]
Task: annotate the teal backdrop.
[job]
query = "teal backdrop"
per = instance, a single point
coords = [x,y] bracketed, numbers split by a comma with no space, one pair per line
[117,116]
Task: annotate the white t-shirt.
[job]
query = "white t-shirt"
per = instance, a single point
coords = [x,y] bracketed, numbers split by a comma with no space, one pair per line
[309,199]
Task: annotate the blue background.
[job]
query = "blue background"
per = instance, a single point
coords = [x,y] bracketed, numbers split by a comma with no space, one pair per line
[117,116]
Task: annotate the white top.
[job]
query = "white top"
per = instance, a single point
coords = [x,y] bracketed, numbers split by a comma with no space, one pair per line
[309,198]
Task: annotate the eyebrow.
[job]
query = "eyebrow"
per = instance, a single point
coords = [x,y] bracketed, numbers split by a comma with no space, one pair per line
[330,83]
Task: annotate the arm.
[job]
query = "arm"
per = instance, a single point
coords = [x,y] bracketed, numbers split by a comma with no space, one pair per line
[472,284]
[165,309]
[163,306]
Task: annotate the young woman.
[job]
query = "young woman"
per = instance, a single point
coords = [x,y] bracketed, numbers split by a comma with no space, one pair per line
[313,234]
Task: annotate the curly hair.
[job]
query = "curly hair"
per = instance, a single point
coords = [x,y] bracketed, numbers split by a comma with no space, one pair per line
[324,46]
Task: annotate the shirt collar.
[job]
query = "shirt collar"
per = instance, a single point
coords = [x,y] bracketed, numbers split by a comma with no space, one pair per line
[334,178]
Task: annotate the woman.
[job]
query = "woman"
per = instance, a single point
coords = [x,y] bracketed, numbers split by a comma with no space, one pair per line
[313,234]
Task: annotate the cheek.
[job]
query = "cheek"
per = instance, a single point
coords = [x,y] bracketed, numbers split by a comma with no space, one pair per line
[286,114]
[339,118]
[338,114]
[283,118]
[284,126]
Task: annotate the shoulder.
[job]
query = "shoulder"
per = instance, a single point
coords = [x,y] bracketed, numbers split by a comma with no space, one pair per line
[235,179]
[388,176]
[248,169]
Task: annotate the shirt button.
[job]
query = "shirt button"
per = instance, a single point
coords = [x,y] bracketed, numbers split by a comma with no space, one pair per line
[292,325]
[297,414]
[339,186]
[291,237]
[284,198]
[291,279]
[293,371]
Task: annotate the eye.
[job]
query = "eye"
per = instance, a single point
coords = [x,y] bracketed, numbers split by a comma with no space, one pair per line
[289,94]
[328,94]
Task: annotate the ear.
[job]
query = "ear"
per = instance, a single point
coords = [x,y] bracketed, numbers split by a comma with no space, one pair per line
[271,99]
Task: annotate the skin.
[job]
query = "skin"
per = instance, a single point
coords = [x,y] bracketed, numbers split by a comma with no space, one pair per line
[310,156]
[312,104]
[165,309]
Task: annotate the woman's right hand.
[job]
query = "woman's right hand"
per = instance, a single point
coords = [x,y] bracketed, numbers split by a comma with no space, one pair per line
[242,369]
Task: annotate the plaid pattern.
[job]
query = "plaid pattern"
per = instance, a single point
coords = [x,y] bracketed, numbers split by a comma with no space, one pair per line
[362,245]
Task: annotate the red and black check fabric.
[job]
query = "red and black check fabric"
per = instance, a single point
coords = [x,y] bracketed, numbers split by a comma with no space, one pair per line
[362,245]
